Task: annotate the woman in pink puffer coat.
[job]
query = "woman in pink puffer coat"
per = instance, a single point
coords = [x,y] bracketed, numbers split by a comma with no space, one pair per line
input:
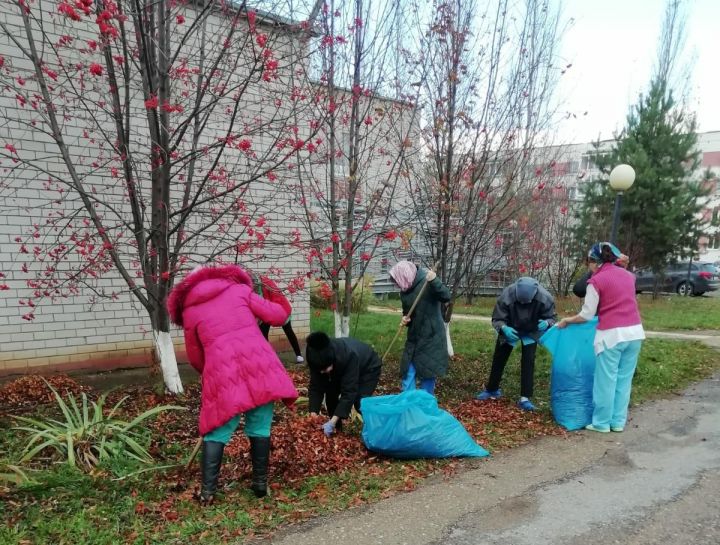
[241,373]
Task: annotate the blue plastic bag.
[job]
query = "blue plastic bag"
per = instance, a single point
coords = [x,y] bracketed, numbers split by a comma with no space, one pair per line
[571,376]
[411,425]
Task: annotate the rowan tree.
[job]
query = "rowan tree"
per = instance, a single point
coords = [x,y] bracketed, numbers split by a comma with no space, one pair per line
[144,137]
[348,192]
[487,105]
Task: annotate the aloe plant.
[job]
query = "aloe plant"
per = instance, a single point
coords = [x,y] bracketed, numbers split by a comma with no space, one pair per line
[87,434]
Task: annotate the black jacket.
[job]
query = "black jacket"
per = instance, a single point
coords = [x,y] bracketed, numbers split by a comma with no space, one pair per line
[352,360]
[580,287]
[523,318]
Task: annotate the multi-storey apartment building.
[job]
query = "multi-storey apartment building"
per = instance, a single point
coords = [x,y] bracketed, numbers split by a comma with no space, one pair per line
[564,171]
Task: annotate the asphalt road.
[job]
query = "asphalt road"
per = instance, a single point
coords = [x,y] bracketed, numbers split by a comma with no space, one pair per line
[658,482]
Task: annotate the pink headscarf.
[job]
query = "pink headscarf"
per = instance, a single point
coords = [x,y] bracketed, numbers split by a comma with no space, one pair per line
[404,272]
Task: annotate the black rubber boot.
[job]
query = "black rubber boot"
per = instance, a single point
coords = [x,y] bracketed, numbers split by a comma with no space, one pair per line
[212,453]
[260,455]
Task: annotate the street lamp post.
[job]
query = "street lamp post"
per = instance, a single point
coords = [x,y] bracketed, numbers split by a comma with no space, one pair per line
[621,179]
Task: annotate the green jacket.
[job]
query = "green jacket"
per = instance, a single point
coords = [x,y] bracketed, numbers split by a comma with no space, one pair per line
[426,345]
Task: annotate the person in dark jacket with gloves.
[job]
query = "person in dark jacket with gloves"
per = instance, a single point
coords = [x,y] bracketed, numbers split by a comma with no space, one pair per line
[342,371]
[522,313]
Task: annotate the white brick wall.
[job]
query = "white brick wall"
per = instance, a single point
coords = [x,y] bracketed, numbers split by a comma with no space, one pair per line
[71,331]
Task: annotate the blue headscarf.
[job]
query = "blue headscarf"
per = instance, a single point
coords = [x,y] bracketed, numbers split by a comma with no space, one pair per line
[595,253]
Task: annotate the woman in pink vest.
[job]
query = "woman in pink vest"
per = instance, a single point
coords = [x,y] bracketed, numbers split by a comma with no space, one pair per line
[611,295]
[241,374]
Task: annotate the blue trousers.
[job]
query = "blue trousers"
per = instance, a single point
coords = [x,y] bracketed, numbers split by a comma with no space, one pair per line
[257,424]
[614,372]
[408,382]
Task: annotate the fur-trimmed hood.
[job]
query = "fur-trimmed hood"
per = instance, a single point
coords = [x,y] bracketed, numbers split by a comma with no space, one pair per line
[222,277]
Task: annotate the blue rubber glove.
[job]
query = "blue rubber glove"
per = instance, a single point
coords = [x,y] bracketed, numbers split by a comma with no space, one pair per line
[543,325]
[328,428]
[510,333]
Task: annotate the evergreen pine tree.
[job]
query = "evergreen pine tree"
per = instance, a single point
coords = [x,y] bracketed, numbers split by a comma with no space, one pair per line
[660,217]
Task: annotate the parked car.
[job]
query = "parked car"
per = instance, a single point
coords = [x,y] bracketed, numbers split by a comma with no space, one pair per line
[703,277]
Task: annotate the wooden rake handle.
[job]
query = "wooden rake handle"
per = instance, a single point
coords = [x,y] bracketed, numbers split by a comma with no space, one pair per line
[194,453]
[409,314]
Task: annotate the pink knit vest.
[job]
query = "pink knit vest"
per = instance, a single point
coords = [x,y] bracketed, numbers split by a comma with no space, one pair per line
[618,306]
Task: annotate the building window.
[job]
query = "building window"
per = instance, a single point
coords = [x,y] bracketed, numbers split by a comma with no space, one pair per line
[715,241]
[343,144]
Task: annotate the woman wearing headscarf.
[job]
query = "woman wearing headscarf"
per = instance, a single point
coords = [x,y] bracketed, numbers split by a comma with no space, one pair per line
[241,373]
[425,356]
[580,287]
[611,295]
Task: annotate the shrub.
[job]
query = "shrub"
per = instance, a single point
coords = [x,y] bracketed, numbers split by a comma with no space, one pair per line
[87,436]
[321,294]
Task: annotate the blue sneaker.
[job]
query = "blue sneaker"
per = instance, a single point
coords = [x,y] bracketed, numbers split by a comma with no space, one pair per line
[526,405]
[485,395]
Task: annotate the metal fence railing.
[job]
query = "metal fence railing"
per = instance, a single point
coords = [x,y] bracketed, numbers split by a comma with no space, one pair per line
[383,286]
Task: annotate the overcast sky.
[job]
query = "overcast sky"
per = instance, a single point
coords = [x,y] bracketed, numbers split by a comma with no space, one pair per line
[612,46]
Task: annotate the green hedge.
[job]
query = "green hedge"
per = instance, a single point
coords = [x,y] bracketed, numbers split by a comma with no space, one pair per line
[320,291]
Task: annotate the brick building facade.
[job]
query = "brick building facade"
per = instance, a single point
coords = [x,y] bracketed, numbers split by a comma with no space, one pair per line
[84,331]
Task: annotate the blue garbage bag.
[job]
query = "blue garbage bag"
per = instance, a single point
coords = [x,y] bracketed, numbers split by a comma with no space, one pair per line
[572,372]
[411,425]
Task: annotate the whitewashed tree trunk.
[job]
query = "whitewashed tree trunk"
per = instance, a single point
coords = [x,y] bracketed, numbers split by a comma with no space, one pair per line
[451,351]
[342,325]
[168,362]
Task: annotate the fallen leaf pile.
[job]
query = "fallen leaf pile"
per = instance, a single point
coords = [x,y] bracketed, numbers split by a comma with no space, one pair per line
[501,424]
[32,390]
[140,399]
[308,472]
[300,449]
[299,377]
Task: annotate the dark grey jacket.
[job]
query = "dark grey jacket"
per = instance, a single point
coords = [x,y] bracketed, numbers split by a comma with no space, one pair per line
[523,318]
[426,345]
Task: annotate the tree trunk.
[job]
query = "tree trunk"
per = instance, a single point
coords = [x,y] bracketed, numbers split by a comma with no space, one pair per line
[168,363]
[165,351]
[656,286]
[342,325]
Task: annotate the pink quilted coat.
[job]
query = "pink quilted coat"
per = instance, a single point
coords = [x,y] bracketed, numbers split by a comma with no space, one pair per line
[218,310]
